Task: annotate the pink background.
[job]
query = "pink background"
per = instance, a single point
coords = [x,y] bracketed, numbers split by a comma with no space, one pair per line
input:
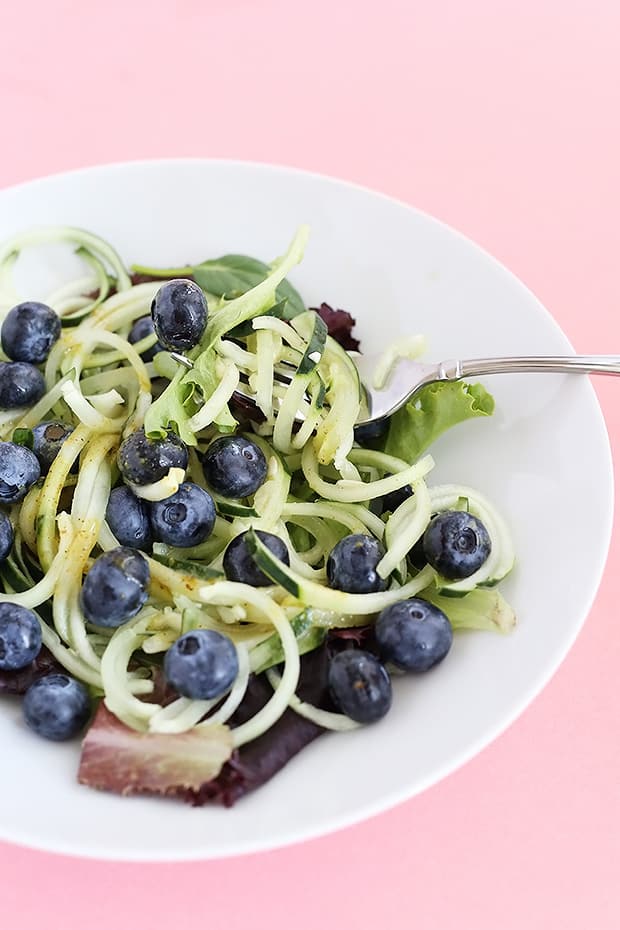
[501,118]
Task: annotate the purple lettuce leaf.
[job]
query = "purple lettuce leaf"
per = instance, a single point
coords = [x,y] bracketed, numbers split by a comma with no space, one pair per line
[116,758]
[19,681]
[257,762]
[339,326]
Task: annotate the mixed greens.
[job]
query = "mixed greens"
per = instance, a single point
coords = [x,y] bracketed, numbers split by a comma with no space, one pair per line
[204,561]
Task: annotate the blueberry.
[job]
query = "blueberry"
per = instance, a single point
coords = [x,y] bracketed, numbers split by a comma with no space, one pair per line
[186,518]
[201,664]
[239,564]
[29,331]
[128,518]
[47,439]
[179,313]
[21,385]
[394,499]
[115,587]
[352,565]
[20,636]
[6,536]
[376,429]
[19,469]
[416,554]
[456,544]
[414,635]
[234,466]
[142,328]
[56,707]
[144,461]
[360,685]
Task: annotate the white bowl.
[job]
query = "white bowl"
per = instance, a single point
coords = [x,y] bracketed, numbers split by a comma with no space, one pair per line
[543,458]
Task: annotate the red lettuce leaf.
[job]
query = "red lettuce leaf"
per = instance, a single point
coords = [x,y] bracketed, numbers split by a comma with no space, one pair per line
[116,758]
[138,277]
[339,326]
[361,636]
[19,681]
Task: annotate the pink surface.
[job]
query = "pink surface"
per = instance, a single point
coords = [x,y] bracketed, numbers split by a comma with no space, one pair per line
[501,119]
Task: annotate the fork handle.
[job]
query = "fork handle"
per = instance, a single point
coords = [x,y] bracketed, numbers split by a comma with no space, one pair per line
[585,364]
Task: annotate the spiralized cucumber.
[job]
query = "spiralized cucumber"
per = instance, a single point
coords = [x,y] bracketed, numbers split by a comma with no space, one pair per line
[405,527]
[320,486]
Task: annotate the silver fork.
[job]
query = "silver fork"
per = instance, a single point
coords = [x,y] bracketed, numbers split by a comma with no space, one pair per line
[407,376]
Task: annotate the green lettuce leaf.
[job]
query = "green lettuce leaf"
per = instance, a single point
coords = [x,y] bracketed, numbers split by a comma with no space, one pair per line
[281,311]
[260,298]
[177,404]
[203,374]
[172,410]
[435,409]
[23,437]
[232,276]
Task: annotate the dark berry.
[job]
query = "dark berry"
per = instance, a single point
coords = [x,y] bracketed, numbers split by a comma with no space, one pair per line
[142,328]
[47,441]
[20,636]
[179,313]
[21,385]
[144,461]
[115,587]
[416,554]
[414,635]
[360,685]
[29,331]
[352,565]
[56,707]
[234,467]
[394,499]
[19,469]
[128,518]
[6,535]
[456,544]
[239,564]
[369,432]
[186,518]
[201,664]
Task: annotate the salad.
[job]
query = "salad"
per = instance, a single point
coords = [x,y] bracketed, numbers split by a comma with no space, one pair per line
[205,563]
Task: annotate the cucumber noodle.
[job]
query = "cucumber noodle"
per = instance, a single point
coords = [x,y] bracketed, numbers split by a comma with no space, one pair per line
[319,487]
